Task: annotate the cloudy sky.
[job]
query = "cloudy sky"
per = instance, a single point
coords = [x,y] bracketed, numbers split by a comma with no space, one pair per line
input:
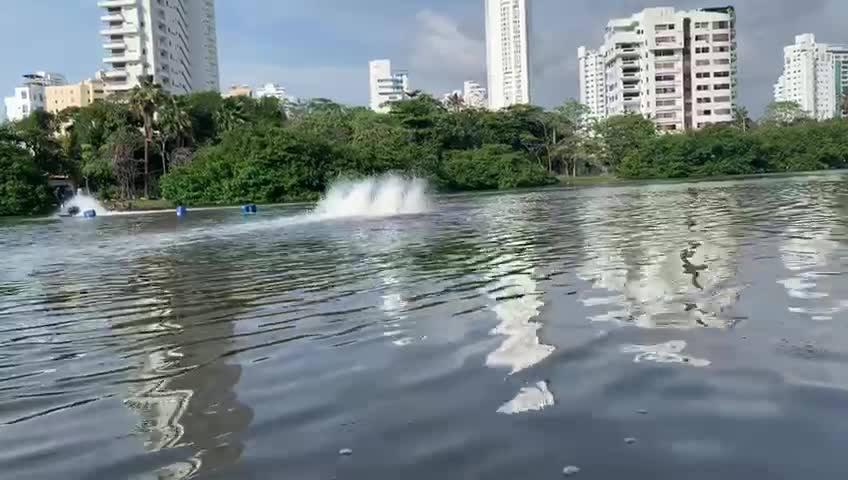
[321,47]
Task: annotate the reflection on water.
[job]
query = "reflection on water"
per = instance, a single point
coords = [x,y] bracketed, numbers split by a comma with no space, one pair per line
[661,261]
[489,336]
[670,352]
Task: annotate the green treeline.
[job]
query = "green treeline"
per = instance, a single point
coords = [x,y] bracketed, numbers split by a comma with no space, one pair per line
[205,149]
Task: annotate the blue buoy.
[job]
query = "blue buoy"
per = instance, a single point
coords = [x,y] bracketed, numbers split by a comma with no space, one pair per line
[89,213]
[182,211]
[249,209]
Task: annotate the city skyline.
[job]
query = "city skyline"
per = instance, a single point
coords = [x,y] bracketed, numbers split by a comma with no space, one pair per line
[441,42]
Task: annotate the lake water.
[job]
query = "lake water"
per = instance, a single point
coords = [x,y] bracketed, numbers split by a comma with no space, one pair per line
[493,336]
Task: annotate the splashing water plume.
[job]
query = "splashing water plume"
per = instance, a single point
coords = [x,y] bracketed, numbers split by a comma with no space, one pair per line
[374,197]
[84,202]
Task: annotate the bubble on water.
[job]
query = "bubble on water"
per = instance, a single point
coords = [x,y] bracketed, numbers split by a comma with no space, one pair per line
[570,471]
[630,440]
[346,452]
[669,352]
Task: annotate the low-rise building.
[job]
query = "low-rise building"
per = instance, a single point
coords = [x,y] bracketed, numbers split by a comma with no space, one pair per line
[82,94]
[474,94]
[30,96]
[239,91]
[386,85]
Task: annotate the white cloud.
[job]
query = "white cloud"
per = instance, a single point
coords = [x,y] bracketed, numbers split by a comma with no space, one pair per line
[442,55]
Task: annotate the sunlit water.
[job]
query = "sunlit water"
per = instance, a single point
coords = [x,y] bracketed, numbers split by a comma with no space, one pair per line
[476,336]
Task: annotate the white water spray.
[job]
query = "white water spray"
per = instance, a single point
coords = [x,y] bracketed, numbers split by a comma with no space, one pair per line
[374,197]
[84,202]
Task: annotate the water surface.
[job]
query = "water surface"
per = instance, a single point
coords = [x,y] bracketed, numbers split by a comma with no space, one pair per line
[486,336]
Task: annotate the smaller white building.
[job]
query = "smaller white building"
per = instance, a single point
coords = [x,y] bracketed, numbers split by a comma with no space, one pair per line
[271,90]
[592,81]
[446,98]
[2,113]
[30,96]
[474,94]
[386,85]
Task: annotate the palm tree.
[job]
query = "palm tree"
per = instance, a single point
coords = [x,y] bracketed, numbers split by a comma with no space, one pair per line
[454,102]
[174,125]
[230,115]
[144,100]
[742,120]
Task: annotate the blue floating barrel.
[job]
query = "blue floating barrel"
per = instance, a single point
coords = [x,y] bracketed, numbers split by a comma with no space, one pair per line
[89,213]
[249,209]
[182,211]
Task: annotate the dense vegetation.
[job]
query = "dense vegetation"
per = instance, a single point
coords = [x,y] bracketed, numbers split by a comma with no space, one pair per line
[203,148]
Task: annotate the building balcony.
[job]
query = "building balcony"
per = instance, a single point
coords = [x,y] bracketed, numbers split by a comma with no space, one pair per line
[115,74]
[124,58]
[115,46]
[127,29]
[116,3]
[112,17]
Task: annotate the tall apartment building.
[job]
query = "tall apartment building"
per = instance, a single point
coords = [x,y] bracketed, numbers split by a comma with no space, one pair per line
[172,42]
[386,85]
[474,94]
[815,76]
[82,94]
[591,80]
[677,68]
[30,96]
[507,52]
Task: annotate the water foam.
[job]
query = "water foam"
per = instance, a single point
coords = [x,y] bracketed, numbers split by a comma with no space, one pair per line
[374,197]
[84,202]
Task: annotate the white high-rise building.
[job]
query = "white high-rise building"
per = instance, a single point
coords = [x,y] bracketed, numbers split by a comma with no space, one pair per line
[677,68]
[592,81]
[30,96]
[815,76]
[507,52]
[172,42]
[386,85]
[474,94]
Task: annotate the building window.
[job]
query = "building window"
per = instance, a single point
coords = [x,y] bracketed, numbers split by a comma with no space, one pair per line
[705,100]
[702,63]
[666,103]
[23,94]
[723,49]
[705,113]
[722,86]
[721,74]
[702,75]
[665,90]
[721,37]
[721,25]
[722,111]
[702,38]
[664,78]
[702,88]
[721,99]
[721,61]
[664,53]
[661,40]
[702,25]
[702,49]
[664,26]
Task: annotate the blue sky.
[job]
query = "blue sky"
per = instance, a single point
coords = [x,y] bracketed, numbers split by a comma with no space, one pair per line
[321,47]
